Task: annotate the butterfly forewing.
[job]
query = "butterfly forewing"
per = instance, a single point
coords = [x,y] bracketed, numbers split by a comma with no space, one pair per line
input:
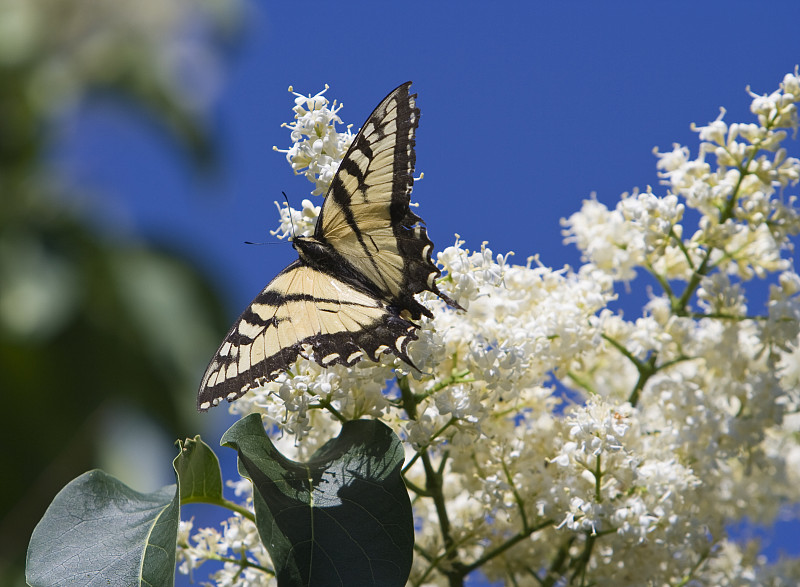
[366,210]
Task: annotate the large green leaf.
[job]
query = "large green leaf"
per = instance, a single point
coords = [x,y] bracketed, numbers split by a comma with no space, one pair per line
[342,518]
[98,531]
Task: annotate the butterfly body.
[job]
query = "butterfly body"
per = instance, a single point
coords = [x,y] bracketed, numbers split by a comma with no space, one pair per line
[350,294]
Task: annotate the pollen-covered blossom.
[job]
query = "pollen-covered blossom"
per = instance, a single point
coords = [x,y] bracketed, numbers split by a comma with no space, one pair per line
[675,423]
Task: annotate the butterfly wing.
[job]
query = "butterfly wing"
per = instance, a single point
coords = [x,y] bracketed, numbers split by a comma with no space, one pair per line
[355,278]
[301,306]
[366,217]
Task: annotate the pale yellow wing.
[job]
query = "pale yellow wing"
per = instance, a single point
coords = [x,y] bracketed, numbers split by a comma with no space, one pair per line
[366,217]
[301,306]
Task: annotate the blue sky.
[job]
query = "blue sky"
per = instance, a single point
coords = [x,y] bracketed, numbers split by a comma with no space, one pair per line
[525,112]
[527,108]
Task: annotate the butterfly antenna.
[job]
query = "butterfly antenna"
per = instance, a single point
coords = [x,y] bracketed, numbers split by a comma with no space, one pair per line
[291,220]
[289,208]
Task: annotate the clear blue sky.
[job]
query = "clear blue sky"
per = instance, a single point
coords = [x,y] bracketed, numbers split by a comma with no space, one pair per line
[525,112]
[527,108]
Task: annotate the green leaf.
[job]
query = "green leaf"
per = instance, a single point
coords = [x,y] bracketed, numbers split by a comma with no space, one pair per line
[98,531]
[342,518]
[199,476]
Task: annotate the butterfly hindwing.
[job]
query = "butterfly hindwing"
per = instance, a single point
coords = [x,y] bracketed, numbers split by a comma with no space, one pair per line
[351,292]
[301,308]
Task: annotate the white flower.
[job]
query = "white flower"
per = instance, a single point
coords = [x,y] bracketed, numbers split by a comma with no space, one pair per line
[601,236]
[681,172]
[783,322]
[717,295]
[296,222]
[777,109]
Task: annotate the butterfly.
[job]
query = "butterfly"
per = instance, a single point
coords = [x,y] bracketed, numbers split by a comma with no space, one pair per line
[350,294]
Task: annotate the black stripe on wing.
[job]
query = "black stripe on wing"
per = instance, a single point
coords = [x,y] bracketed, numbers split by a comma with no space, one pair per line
[411,240]
[233,371]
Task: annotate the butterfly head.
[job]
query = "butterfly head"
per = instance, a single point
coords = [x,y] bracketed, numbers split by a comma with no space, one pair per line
[310,249]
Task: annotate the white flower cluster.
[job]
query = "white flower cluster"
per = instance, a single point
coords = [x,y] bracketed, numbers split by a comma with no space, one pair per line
[317,148]
[571,440]
[637,233]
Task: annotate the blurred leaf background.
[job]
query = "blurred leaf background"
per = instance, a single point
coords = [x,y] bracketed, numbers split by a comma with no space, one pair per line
[102,333]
